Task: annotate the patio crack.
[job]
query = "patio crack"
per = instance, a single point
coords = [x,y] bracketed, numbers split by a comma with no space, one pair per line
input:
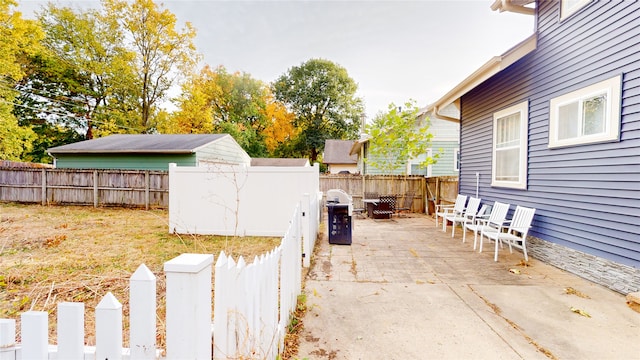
[515,326]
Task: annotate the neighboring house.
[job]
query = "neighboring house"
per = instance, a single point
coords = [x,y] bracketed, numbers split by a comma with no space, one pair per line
[336,156]
[444,142]
[554,124]
[280,162]
[149,152]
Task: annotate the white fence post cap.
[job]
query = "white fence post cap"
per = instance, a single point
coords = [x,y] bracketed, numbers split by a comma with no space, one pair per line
[109,302]
[188,263]
[143,274]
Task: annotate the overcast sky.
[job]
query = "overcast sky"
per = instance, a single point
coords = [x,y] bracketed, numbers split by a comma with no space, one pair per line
[394,50]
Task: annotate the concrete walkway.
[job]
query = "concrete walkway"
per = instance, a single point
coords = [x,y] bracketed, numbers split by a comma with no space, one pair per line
[406,290]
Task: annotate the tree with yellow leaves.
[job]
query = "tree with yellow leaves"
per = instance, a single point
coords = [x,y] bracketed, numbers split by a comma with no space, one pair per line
[215,100]
[19,38]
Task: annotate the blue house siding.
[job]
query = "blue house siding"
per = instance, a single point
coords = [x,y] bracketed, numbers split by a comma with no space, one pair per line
[587,196]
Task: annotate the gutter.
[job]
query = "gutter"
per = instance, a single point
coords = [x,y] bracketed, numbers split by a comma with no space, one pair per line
[107,152]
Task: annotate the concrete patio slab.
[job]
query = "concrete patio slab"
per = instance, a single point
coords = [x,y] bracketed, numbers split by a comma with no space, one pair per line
[406,290]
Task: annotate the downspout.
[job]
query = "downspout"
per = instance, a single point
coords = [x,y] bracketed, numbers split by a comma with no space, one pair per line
[364,183]
[436,110]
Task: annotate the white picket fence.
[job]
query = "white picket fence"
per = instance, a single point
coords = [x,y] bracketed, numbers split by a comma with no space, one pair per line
[252,309]
[247,324]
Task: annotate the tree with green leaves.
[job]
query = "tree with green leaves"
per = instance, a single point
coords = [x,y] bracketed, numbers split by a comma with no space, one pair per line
[398,136]
[323,99]
[71,82]
[101,71]
[19,39]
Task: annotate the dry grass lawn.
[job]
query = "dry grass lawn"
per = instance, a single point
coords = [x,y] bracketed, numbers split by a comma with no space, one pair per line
[50,254]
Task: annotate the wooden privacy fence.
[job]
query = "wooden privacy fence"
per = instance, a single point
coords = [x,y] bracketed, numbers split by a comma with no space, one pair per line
[441,190]
[252,308]
[137,188]
[427,190]
[140,188]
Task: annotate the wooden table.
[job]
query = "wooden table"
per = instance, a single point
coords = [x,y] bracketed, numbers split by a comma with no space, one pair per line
[371,204]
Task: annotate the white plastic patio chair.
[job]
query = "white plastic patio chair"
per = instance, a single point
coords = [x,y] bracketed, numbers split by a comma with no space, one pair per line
[468,216]
[444,210]
[516,235]
[493,220]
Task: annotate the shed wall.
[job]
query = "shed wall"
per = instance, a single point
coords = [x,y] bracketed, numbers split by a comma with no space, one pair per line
[123,161]
[225,150]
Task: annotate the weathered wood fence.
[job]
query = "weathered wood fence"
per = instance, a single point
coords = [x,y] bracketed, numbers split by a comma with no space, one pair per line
[427,191]
[136,188]
[139,188]
[252,309]
[440,189]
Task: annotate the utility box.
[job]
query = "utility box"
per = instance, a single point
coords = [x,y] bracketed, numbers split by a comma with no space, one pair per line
[339,223]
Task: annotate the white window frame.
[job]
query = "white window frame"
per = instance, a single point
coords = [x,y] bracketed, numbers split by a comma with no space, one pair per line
[611,88]
[418,160]
[456,158]
[568,7]
[523,109]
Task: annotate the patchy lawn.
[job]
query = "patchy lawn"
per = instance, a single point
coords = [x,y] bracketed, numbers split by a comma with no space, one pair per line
[50,254]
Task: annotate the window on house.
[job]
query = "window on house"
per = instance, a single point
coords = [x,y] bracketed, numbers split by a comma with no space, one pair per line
[456,159]
[509,166]
[414,168]
[568,7]
[588,115]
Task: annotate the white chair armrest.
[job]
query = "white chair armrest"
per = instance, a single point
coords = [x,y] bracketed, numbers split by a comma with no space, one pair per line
[441,206]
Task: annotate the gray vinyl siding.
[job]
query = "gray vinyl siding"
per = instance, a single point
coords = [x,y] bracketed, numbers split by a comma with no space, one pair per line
[224,150]
[588,196]
[399,170]
[445,165]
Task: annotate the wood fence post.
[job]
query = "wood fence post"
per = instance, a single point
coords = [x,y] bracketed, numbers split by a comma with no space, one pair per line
[147,185]
[35,335]
[95,188]
[142,314]
[109,328]
[7,339]
[70,330]
[189,306]
[43,190]
[423,190]
[437,200]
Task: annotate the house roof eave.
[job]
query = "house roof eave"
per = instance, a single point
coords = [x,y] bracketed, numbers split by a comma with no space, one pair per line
[517,6]
[355,148]
[486,71]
